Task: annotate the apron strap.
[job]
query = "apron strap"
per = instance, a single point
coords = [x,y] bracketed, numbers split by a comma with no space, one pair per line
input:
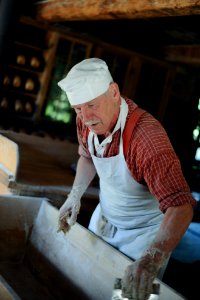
[129,127]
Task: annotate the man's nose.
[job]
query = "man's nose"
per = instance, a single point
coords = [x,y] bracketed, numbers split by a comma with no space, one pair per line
[85,114]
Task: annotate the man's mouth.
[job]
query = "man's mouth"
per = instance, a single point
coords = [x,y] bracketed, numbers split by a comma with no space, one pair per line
[91,123]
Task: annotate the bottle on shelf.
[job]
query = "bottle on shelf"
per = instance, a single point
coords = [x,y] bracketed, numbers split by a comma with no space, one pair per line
[6,80]
[4,103]
[18,106]
[21,59]
[17,81]
[29,85]
[35,62]
[29,108]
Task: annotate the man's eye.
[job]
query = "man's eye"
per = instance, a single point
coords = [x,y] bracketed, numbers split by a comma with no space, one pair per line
[77,110]
[91,105]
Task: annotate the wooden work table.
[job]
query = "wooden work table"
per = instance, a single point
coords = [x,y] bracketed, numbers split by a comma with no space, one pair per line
[45,170]
[44,160]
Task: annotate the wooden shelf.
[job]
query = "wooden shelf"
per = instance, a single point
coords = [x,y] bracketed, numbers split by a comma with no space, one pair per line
[139,77]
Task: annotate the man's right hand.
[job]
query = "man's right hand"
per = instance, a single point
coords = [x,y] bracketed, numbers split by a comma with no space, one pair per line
[68,213]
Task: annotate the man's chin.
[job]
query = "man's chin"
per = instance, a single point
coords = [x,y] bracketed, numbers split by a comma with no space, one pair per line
[96,130]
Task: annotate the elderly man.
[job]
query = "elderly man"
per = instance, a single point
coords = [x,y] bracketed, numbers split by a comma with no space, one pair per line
[145,203]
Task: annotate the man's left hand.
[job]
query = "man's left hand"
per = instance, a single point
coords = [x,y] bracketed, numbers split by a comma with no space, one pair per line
[137,282]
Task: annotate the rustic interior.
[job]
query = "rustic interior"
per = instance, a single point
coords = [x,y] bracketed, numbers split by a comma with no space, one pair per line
[153,50]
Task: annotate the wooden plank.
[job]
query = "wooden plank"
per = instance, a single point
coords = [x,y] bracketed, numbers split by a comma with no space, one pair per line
[63,10]
[6,292]
[186,54]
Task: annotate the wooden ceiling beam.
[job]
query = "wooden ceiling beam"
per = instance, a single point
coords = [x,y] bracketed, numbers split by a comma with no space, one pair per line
[69,10]
[186,54]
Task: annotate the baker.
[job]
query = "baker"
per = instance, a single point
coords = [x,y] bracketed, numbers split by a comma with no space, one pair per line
[145,205]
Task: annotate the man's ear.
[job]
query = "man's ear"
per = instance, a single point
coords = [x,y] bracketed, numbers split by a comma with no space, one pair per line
[114,90]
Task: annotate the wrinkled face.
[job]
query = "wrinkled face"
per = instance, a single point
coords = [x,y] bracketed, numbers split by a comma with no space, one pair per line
[101,113]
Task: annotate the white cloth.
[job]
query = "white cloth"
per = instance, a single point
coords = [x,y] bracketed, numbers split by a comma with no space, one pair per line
[86,81]
[128,216]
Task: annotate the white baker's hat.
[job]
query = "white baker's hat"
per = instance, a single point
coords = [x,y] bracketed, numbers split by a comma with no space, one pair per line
[86,80]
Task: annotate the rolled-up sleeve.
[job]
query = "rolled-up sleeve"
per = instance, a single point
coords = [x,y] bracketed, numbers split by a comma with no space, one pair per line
[167,183]
[153,161]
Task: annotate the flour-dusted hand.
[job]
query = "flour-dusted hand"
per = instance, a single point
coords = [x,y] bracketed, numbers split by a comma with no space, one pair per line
[137,282]
[68,213]
[70,209]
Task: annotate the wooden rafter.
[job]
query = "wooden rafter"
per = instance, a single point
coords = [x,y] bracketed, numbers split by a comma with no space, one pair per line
[64,10]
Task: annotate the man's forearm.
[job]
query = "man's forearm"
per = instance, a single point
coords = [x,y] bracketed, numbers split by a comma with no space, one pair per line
[138,279]
[85,173]
[175,223]
[69,210]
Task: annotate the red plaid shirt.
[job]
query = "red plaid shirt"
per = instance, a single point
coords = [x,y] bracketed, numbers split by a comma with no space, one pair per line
[150,158]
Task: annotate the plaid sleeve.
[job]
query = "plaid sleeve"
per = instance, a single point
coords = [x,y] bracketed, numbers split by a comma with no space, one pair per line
[82,135]
[153,161]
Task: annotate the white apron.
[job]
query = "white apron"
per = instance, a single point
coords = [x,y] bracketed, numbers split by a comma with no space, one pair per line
[128,216]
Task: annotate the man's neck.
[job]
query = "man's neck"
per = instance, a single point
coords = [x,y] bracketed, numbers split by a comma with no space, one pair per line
[102,137]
